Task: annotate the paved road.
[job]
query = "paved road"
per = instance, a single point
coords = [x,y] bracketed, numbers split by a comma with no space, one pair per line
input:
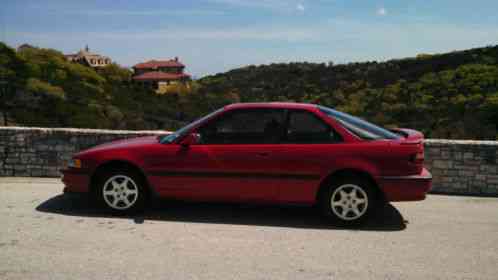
[44,235]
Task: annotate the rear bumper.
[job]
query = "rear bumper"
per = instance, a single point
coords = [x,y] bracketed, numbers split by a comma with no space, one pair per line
[406,188]
[75,180]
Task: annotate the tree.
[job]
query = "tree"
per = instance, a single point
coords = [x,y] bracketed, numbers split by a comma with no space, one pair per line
[452,95]
[12,78]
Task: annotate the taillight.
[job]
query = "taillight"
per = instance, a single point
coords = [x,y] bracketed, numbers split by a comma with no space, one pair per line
[418,157]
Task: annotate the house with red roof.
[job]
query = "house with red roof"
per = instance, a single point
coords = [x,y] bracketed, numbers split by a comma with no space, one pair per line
[160,75]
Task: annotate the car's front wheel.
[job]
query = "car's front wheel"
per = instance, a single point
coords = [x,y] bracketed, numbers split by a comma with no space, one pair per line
[121,192]
[349,201]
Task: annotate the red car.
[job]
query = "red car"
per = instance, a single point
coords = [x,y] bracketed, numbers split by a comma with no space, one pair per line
[260,152]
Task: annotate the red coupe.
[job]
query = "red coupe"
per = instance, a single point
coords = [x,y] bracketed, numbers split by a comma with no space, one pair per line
[260,152]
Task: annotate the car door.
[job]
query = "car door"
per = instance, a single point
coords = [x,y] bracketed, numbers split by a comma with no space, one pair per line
[308,150]
[233,159]
[242,144]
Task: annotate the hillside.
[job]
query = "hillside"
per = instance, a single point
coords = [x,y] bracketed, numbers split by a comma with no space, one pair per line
[452,95]
[41,88]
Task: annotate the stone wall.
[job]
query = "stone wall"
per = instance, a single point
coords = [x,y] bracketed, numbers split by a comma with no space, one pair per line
[458,167]
[463,166]
[42,152]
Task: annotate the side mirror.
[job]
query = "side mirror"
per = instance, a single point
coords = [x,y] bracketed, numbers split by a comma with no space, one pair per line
[191,139]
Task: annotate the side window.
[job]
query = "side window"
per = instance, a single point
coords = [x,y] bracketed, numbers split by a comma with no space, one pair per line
[245,126]
[305,127]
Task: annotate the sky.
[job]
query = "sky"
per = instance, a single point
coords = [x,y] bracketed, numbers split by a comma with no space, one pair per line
[212,36]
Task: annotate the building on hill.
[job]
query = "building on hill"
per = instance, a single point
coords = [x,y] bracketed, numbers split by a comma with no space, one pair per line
[24,47]
[161,75]
[87,58]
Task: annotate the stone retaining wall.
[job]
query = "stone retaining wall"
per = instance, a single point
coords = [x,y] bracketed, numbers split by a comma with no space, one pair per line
[463,166]
[458,167]
[42,152]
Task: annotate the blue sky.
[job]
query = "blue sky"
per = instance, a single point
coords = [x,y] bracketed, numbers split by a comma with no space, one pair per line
[213,36]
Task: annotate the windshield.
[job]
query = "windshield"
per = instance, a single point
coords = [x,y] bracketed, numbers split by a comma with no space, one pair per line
[173,136]
[359,127]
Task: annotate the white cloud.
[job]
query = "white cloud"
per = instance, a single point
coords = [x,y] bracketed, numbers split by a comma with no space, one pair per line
[300,7]
[255,33]
[382,11]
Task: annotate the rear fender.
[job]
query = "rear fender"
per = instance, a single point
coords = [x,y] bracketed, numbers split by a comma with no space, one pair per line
[352,164]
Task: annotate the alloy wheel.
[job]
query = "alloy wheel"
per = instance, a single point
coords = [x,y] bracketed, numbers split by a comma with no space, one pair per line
[349,202]
[120,192]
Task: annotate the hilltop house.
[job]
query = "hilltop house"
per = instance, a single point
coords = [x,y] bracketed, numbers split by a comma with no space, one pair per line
[161,75]
[87,58]
[24,47]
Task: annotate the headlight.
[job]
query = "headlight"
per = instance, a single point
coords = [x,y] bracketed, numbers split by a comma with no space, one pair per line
[74,163]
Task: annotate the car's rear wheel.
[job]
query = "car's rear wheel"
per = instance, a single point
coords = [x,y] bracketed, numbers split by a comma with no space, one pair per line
[349,201]
[121,192]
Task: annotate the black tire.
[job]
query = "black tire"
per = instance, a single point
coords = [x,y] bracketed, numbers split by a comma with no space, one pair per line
[130,192]
[355,212]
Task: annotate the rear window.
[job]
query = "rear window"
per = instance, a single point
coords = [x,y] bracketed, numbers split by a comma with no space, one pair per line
[359,127]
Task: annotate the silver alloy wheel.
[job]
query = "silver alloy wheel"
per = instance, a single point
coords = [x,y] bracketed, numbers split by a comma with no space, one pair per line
[120,192]
[349,202]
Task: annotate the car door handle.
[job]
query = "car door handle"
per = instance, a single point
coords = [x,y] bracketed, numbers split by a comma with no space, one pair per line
[263,154]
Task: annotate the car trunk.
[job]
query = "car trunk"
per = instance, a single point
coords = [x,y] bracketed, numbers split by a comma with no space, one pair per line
[412,146]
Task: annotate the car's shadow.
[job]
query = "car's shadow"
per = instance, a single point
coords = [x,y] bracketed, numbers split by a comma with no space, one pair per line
[388,218]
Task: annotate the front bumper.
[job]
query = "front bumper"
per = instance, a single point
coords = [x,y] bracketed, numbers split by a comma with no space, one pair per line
[75,180]
[406,188]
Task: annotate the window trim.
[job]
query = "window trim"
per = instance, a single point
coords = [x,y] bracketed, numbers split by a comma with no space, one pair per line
[286,119]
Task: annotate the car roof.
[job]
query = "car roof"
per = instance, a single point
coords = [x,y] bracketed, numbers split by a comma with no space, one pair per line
[281,105]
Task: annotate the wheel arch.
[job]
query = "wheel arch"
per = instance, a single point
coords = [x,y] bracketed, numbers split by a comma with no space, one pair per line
[117,164]
[351,173]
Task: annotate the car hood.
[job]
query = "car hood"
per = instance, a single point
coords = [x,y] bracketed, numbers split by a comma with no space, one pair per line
[123,144]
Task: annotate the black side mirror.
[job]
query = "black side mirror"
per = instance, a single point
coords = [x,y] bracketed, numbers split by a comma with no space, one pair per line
[191,139]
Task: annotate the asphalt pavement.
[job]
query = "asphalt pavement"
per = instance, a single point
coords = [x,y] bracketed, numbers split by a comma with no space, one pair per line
[47,235]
